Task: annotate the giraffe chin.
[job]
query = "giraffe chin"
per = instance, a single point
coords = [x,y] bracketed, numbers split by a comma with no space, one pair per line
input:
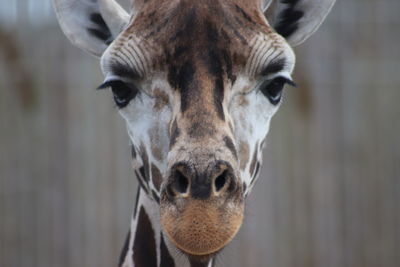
[201,228]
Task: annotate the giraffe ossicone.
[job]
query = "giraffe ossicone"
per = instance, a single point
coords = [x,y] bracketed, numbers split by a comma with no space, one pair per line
[197,82]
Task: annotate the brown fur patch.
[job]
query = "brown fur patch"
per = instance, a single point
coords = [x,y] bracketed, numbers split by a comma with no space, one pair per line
[242,101]
[144,247]
[243,154]
[139,176]
[156,151]
[144,170]
[166,259]
[175,132]
[156,176]
[231,146]
[161,99]
[155,196]
[201,129]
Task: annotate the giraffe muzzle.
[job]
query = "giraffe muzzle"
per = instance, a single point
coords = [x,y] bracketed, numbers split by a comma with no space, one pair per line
[201,208]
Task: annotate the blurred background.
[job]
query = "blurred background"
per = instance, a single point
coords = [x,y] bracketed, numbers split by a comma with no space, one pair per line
[329,192]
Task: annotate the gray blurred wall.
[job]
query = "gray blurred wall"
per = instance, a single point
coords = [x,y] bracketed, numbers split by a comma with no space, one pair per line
[329,189]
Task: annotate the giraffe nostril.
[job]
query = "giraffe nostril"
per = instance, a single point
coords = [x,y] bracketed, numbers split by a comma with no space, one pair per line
[181,183]
[220,181]
[179,180]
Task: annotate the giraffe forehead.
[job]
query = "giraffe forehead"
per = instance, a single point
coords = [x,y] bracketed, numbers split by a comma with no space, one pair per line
[171,31]
[214,38]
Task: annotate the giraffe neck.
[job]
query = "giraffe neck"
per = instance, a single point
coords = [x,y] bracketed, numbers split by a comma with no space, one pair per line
[146,245]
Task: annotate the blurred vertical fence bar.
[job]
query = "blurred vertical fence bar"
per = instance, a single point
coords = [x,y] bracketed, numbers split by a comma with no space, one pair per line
[330,187]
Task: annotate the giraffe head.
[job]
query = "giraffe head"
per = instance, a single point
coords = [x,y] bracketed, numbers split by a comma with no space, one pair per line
[197,82]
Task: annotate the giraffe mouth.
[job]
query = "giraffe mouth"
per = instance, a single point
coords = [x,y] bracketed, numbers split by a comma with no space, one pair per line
[201,228]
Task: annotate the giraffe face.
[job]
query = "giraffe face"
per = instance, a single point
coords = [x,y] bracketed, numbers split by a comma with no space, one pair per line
[198,96]
[197,82]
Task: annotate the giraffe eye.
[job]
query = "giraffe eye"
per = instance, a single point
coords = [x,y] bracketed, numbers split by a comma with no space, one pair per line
[123,93]
[272,89]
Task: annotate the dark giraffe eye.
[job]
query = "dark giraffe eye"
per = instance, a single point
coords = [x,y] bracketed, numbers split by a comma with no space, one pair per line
[272,89]
[123,93]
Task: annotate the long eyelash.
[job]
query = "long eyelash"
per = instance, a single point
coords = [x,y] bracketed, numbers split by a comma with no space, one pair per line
[291,83]
[105,85]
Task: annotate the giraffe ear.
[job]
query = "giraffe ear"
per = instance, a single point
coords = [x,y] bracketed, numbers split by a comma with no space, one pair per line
[296,20]
[91,24]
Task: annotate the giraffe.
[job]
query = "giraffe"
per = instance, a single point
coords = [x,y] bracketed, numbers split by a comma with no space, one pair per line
[197,82]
